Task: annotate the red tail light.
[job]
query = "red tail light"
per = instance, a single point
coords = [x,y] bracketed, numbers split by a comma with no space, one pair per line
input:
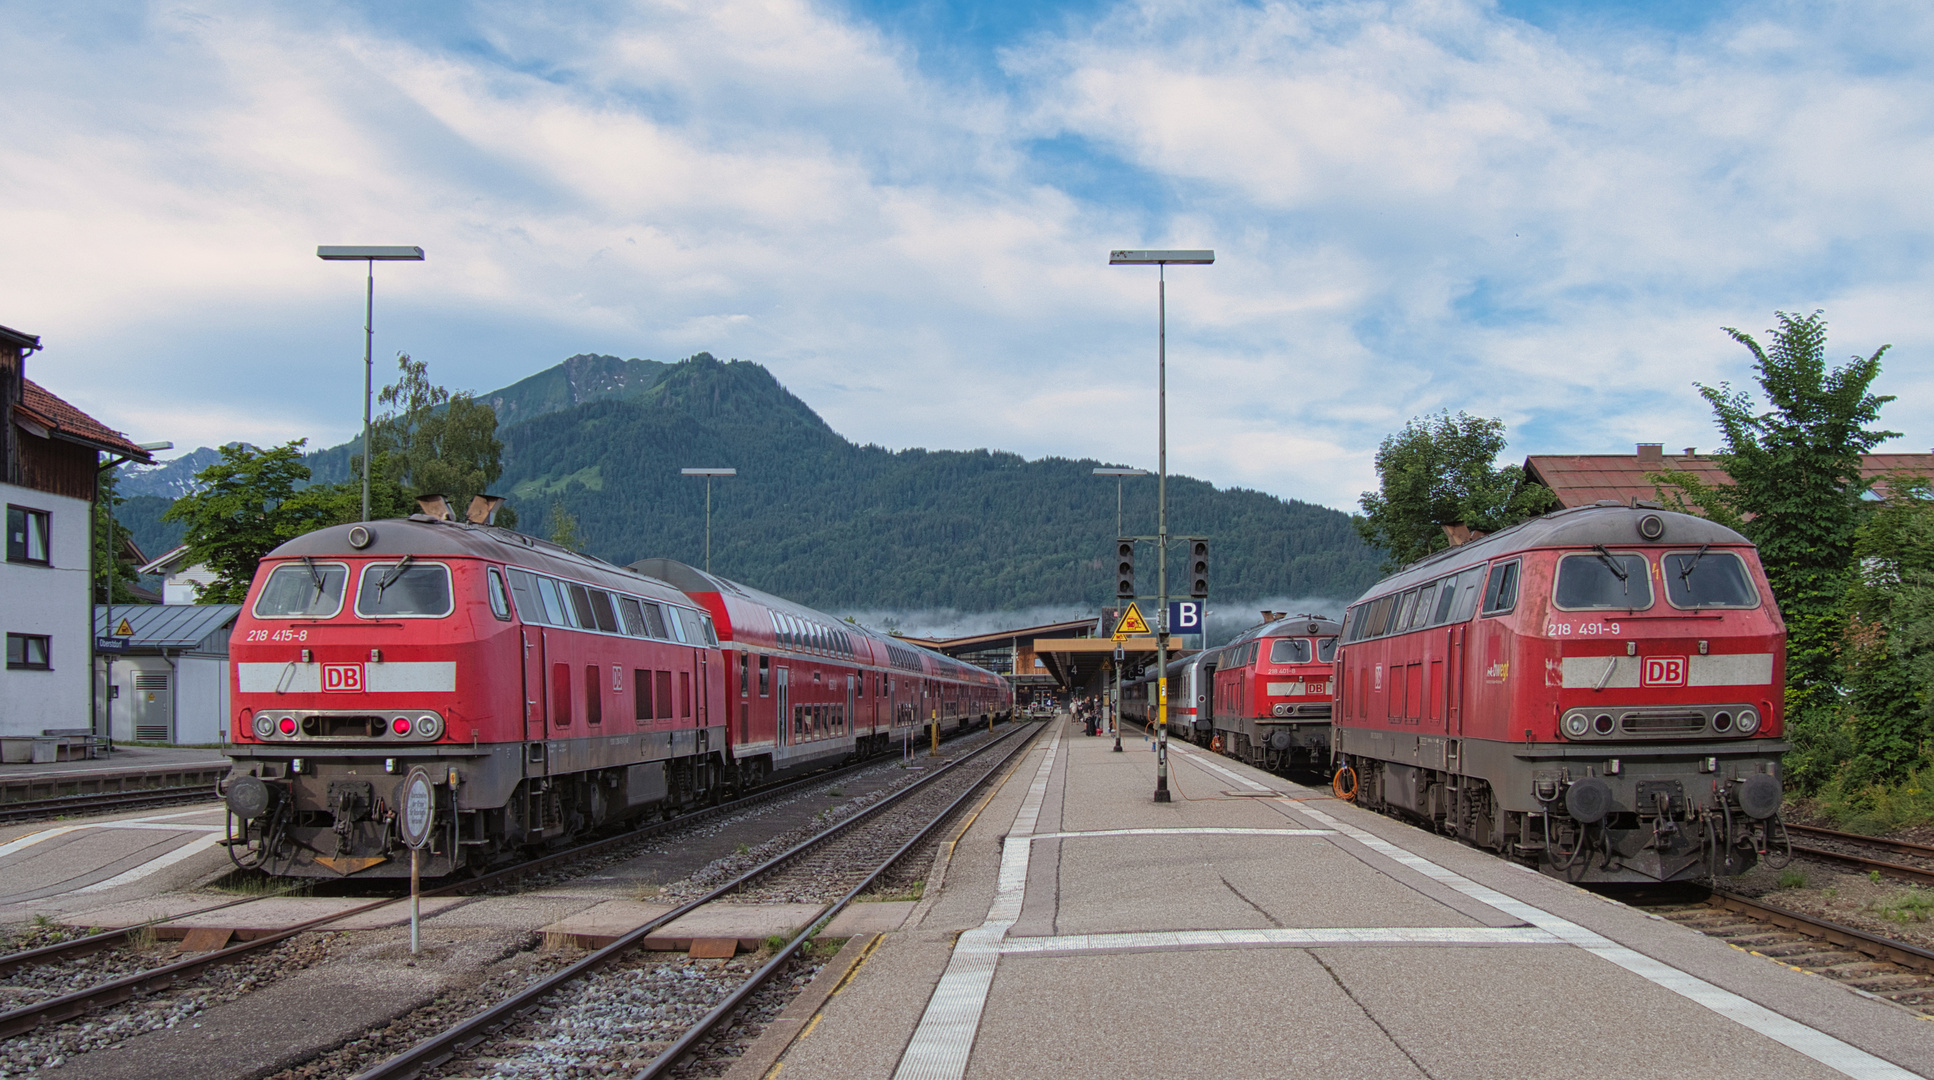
[287,725]
[401,725]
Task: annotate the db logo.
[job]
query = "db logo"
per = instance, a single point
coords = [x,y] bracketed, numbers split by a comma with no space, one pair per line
[1663,671]
[342,678]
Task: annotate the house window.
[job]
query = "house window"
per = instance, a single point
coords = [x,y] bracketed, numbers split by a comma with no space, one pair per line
[31,652]
[27,535]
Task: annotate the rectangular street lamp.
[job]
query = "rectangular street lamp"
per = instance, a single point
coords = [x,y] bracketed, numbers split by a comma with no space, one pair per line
[708,474]
[1160,260]
[371,254]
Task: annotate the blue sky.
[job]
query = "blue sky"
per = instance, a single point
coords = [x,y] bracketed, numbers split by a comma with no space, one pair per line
[1533,210]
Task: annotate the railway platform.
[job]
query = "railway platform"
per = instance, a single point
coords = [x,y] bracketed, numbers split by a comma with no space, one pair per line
[126,768]
[1074,928]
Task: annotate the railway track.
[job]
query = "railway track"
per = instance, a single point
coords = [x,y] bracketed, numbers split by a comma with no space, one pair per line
[112,991]
[841,862]
[1852,849]
[1894,970]
[105,802]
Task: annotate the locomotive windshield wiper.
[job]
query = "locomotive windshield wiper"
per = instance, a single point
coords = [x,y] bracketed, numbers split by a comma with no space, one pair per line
[1687,572]
[315,575]
[1610,563]
[394,573]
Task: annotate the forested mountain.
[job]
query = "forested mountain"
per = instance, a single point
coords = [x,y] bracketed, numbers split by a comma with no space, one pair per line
[817,518]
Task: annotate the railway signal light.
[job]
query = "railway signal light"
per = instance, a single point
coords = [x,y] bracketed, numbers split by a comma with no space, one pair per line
[1198,568]
[1125,569]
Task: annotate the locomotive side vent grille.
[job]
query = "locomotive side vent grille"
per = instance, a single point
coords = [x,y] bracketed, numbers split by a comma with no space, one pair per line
[1662,722]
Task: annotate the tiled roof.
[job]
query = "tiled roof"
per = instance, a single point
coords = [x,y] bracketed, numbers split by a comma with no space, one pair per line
[46,408]
[167,626]
[1583,479]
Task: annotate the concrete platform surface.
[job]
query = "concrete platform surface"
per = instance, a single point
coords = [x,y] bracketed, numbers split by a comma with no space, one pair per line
[749,924]
[1075,928]
[123,759]
[883,917]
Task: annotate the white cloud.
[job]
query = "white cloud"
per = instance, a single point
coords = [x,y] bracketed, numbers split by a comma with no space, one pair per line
[1416,206]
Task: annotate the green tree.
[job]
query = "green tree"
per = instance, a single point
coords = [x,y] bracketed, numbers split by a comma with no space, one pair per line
[245,506]
[1441,470]
[1887,654]
[434,442]
[113,574]
[1797,488]
[564,528]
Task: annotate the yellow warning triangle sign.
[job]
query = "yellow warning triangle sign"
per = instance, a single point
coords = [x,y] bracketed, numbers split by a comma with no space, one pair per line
[1131,623]
[126,629]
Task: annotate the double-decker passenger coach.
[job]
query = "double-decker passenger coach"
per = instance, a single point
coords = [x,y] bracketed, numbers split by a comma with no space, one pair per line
[1598,690]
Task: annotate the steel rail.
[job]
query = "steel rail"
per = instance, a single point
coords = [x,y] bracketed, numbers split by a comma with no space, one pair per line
[1901,847]
[438,1048]
[1873,945]
[685,1043]
[1892,869]
[28,809]
[67,1006]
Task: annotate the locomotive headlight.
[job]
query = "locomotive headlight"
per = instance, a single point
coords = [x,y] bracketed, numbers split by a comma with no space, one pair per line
[1748,721]
[428,727]
[1576,724]
[264,726]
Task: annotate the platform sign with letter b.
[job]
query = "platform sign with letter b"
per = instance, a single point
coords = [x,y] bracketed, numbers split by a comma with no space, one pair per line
[1185,616]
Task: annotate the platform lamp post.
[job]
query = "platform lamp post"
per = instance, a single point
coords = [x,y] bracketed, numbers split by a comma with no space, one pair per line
[1161,260]
[371,255]
[1114,708]
[708,474]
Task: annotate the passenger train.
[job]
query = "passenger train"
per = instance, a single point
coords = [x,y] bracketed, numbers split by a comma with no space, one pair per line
[545,692]
[1596,691]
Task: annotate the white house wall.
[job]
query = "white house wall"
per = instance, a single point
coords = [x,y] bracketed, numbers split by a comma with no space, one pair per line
[50,600]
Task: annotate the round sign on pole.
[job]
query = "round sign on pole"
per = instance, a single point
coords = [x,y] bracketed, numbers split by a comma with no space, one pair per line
[419,809]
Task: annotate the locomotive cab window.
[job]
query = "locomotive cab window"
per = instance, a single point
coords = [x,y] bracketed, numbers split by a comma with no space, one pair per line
[1289,650]
[1501,592]
[1325,650]
[1602,580]
[1707,579]
[499,596]
[303,590]
[404,589]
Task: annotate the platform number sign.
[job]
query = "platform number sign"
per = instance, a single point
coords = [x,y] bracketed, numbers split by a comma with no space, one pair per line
[1185,616]
[1663,671]
[419,809]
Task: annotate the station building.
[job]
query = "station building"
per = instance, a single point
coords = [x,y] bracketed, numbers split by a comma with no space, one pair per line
[51,458]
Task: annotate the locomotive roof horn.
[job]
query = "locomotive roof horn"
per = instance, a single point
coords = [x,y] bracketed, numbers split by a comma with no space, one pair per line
[483,509]
[435,507]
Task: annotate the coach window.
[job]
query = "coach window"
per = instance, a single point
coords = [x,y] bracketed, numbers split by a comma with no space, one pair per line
[655,621]
[524,587]
[1707,579]
[499,596]
[1602,580]
[765,676]
[303,590]
[1501,592]
[404,590]
[633,616]
[745,675]
[553,602]
[1289,650]
[593,695]
[641,694]
[28,535]
[603,612]
[664,695]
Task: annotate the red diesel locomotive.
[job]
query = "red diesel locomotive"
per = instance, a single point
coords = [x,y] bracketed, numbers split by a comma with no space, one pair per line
[1598,691]
[1270,705]
[545,692]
